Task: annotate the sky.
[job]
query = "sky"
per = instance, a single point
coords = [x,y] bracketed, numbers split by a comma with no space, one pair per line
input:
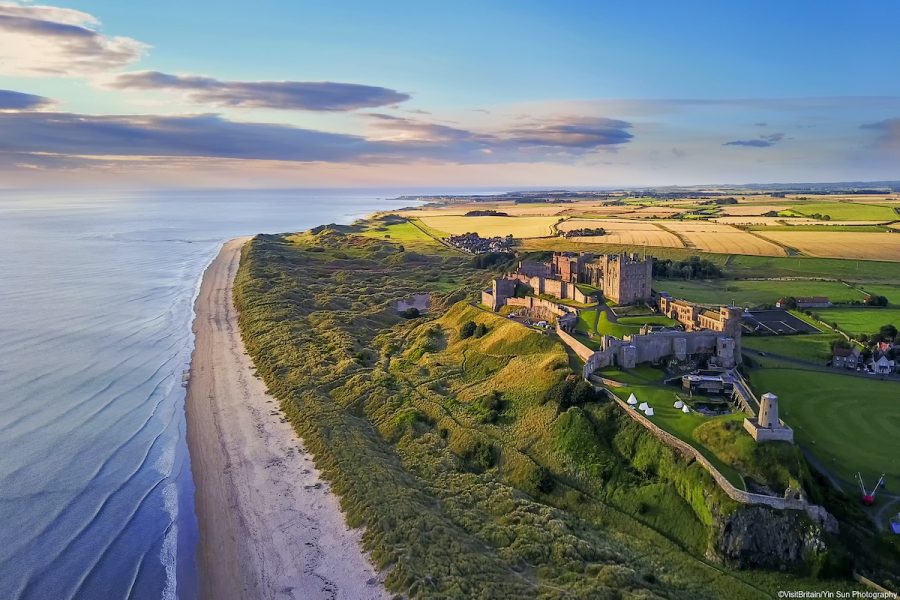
[517,94]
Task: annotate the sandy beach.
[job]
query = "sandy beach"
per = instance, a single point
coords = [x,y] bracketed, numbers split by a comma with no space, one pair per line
[269,525]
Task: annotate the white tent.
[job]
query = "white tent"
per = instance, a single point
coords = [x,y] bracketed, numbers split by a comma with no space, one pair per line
[649,411]
[632,400]
[643,406]
[679,404]
[685,409]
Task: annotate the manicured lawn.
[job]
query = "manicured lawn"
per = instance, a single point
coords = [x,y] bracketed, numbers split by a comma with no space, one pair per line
[813,347]
[754,293]
[648,320]
[859,320]
[671,419]
[850,423]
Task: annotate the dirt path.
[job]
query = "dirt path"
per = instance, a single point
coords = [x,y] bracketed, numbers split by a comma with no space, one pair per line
[269,527]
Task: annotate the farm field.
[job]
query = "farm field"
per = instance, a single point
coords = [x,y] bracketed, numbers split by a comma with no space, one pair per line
[850,423]
[814,348]
[840,244]
[841,211]
[722,239]
[520,227]
[754,293]
[631,233]
[860,320]
[804,266]
[405,233]
[891,292]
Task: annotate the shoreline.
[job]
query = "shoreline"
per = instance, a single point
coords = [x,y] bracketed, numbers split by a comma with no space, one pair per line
[269,527]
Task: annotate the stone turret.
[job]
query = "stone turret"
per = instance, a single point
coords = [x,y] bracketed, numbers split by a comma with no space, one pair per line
[767,427]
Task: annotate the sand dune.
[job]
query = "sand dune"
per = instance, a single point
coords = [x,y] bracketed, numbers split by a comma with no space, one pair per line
[269,526]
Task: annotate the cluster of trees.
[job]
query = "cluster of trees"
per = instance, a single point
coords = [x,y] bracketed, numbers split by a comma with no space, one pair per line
[410,313]
[486,213]
[692,268]
[820,217]
[874,300]
[886,333]
[490,260]
[470,329]
[571,392]
[585,232]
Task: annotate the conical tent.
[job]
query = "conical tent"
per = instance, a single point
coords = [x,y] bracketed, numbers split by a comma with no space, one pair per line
[649,411]
[632,399]
[679,404]
[643,406]
[685,409]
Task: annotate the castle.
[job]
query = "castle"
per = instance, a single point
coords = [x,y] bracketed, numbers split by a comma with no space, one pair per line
[727,319]
[623,278]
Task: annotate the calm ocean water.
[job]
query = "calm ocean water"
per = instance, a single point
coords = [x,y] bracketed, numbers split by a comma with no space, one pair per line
[96,295]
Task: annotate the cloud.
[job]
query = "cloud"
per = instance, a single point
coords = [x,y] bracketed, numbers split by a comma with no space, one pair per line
[284,95]
[45,40]
[182,136]
[888,133]
[10,100]
[573,134]
[764,141]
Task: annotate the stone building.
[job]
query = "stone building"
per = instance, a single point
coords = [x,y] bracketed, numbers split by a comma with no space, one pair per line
[766,426]
[627,278]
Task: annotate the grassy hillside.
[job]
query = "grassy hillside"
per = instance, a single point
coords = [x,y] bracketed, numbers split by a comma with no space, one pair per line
[456,452]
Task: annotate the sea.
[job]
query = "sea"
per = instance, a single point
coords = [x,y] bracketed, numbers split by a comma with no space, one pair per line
[96,304]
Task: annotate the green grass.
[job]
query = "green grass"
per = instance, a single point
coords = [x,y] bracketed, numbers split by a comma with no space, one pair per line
[815,348]
[754,293]
[404,232]
[648,320]
[845,211]
[857,321]
[850,423]
[682,425]
[801,266]
[891,292]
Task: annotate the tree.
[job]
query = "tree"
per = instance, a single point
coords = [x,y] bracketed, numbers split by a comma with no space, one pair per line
[467,330]
[887,332]
[481,330]
[789,303]
[410,313]
[875,300]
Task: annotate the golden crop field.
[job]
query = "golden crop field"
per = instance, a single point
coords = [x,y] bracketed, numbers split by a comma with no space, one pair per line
[781,221]
[520,227]
[632,233]
[722,239]
[841,244]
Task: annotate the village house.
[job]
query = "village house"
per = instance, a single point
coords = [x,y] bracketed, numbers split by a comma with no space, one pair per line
[846,358]
[880,364]
[805,302]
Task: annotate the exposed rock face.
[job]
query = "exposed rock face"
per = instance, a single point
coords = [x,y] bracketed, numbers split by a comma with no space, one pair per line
[757,536]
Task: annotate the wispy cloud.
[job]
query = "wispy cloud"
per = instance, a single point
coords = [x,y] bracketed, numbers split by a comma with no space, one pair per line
[10,100]
[888,133]
[763,141]
[46,40]
[284,95]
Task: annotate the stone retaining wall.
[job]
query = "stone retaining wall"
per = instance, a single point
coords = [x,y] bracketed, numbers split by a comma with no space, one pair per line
[583,352]
[816,513]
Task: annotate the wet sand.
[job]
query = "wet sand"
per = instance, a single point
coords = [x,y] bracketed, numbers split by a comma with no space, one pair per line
[269,525]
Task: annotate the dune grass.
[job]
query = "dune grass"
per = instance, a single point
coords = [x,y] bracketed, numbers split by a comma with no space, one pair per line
[463,494]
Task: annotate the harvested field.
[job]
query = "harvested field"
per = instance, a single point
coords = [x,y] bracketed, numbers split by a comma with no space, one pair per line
[840,244]
[520,227]
[722,239]
[633,233]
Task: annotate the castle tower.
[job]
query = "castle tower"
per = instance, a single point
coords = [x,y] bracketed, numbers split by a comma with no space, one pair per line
[768,411]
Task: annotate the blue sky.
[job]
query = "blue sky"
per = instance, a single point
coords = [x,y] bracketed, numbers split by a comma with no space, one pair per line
[468,93]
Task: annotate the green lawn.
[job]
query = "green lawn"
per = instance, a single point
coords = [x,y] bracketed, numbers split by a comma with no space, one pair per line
[845,211]
[671,419]
[860,320]
[813,347]
[648,320]
[754,293]
[850,423]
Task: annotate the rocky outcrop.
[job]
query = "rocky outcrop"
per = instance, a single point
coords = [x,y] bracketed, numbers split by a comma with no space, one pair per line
[756,536]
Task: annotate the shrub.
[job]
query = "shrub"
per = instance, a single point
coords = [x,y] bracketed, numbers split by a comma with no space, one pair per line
[467,330]
[410,313]
[481,330]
